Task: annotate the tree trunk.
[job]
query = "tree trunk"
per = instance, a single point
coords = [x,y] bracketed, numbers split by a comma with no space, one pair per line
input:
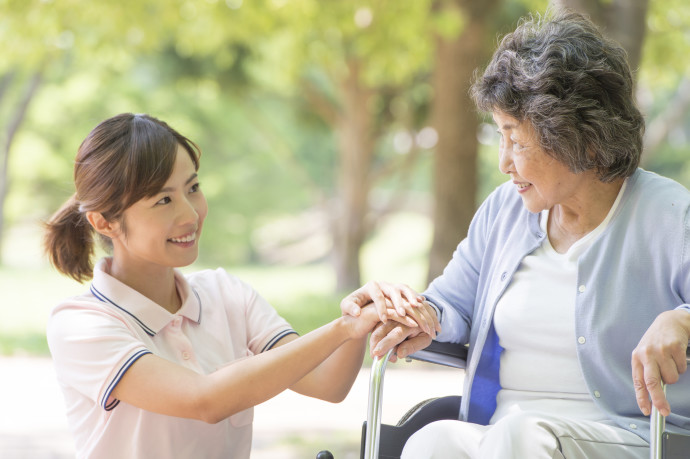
[354,132]
[455,119]
[12,128]
[622,20]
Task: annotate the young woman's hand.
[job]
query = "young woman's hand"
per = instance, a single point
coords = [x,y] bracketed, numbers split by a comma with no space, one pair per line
[397,302]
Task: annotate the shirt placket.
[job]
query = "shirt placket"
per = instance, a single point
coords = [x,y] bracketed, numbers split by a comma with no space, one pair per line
[181,345]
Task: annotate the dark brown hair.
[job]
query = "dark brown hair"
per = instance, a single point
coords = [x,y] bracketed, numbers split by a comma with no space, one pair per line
[124,159]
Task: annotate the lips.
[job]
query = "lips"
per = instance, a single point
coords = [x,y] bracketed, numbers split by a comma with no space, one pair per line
[521,186]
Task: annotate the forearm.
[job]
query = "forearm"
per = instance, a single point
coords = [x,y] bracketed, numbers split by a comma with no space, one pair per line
[333,379]
[251,381]
[158,385]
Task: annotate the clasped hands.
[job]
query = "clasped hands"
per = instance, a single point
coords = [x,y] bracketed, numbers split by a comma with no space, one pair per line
[407,321]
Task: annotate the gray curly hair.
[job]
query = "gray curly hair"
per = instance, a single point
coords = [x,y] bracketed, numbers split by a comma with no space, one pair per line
[574,86]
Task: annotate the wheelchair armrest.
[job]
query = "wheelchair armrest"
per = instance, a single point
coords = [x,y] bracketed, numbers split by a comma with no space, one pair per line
[448,354]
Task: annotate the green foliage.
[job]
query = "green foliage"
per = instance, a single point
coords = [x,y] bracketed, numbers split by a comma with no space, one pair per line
[667,44]
[236,77]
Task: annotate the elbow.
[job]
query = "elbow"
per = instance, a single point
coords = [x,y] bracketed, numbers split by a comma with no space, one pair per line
[212,419]
[207,411]
[214,415]
[207,408]
[337,398]
[336,395]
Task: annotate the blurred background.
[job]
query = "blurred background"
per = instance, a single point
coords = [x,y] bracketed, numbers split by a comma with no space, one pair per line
[339,142]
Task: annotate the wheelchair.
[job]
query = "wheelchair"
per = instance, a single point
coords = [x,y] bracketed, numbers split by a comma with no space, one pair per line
[387,442]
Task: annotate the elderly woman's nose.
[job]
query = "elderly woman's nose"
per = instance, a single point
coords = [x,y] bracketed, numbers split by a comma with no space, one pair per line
[505,158]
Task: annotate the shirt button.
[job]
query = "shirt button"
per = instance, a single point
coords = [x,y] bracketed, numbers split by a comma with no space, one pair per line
[581,340]
[581,289]
[185,355]
[597,394]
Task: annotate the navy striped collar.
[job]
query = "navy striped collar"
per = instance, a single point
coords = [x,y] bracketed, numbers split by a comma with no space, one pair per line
[150,316]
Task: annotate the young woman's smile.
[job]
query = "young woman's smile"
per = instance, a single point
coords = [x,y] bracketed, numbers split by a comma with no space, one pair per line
[164,229]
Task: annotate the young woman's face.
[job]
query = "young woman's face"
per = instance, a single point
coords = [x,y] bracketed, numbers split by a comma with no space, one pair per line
[165,228]
[541,180]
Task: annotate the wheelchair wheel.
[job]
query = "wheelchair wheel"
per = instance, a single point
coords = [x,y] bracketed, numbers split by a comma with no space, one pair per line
[414,410]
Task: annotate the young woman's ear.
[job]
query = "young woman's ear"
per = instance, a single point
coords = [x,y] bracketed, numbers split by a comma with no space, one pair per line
[101,225]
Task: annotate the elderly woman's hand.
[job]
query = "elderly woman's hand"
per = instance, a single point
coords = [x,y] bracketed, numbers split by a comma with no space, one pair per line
[660,356]
[407,339]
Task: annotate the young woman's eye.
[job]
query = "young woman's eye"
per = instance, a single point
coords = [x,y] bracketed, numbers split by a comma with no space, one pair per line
[165,200]
[194,188]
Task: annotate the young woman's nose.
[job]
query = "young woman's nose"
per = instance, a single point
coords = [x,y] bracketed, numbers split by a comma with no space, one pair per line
[188,212]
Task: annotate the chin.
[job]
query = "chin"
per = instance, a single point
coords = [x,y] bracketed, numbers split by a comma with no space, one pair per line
[533,207]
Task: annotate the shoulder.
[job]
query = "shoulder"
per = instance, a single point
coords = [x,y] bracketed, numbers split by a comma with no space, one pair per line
[650,195]
[83,316]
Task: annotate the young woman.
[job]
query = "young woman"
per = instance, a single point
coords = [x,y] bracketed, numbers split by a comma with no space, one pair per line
[153,363]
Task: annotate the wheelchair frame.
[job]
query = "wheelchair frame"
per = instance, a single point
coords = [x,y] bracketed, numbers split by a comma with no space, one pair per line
[663,444]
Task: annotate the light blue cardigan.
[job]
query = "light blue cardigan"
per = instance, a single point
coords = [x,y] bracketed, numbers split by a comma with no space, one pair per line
[636,269]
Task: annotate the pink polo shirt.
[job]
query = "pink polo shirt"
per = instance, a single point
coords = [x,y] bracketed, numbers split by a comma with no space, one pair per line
[94,338]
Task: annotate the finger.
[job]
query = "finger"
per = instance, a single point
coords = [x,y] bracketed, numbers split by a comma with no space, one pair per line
[412,345]
[652,382]
[668,370]
[394,355]
[392,339]
[406,320]
[380,302]
[425,317]
[412,297]
[680,358]
[641,393]
[353,303]
[430,321]
[394,293]
[432,312]
[380,331]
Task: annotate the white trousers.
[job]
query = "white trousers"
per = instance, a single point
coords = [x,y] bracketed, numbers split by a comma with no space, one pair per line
[525,435]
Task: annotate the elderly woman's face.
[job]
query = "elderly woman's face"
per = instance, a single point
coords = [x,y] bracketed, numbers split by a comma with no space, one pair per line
[541,180]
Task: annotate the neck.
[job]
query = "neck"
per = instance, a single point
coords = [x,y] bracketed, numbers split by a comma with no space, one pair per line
[155,283]
[569,222]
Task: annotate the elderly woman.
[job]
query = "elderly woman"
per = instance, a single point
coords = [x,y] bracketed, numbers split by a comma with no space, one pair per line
[565,267]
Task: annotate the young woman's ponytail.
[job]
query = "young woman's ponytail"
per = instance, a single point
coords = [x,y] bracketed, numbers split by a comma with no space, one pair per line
[69,241]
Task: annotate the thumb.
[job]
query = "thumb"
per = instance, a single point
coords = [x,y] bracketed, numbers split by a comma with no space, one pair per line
[351,305]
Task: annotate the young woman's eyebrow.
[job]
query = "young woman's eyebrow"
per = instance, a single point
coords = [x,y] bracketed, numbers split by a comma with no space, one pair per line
[189,180]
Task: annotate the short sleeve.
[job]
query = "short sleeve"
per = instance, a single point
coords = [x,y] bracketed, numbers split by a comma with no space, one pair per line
[92,348]
[264,326]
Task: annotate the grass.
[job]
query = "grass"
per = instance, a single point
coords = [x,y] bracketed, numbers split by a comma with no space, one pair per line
[304,295]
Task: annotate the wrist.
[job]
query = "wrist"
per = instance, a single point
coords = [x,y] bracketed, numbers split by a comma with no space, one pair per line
[343,328]
[682,316]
